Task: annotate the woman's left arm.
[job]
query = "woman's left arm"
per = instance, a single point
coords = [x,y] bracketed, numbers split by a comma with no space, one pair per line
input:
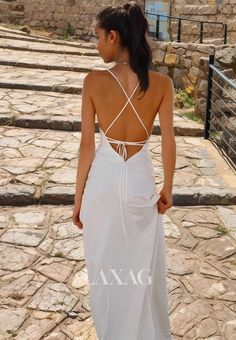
[87,144]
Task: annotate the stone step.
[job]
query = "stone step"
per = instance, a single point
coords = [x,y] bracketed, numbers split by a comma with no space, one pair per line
[39,167]
[40,114]
[41,80]
[47,110]
[8,33]
[24,195]
[21,45]
[52,61]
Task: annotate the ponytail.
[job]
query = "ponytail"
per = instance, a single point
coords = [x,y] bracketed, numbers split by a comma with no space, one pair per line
[132,26]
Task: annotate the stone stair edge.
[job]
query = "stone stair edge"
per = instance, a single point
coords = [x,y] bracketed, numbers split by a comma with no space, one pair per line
[76,53]
[75,125]
[86,44]
[45,66]
[64,194]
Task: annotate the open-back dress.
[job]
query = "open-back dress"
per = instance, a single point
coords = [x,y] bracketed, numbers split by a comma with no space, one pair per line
[124,241]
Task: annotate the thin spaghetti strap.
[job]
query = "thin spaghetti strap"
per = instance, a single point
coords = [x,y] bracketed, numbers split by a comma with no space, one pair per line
[128,101]
[125,103]
[116,117]
[122,85]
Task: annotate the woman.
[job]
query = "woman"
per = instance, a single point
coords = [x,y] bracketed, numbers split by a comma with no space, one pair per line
[116,202]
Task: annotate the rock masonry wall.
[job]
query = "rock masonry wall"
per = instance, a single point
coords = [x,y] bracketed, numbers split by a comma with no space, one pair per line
[187,65]
[222,11]
[55,15]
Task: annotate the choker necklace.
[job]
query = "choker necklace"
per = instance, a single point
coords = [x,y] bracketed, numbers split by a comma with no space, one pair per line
[122,62]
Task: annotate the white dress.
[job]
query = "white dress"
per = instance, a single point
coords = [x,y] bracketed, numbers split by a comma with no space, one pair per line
[124,242]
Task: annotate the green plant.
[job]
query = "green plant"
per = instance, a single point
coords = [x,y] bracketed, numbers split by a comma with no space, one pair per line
[69,31]
[216,135]
[223,230]
[58,254]
[192,116]
[61,303]
[12,332]
[184,98]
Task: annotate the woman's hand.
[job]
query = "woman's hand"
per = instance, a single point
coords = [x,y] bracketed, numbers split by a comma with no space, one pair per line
[75,217]
[165,201]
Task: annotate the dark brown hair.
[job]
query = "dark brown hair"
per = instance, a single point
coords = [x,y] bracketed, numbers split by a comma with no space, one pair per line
[130,22]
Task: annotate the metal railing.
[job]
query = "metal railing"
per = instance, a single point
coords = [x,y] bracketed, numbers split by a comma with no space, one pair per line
[179,30]
[220,118]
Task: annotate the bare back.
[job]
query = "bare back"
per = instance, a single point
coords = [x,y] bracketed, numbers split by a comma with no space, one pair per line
[120,112]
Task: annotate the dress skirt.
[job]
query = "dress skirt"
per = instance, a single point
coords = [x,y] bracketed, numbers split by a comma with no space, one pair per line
[124,247]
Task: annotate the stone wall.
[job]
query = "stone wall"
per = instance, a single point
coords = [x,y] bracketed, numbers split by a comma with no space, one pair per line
[208,10]
[183,62]
[55,15]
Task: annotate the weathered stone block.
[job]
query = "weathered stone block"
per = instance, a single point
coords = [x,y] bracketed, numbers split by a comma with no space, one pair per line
[171,59]
[206,10]
[158,56]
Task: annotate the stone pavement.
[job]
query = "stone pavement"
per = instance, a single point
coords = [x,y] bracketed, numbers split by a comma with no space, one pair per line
[77,63]
[43,287]
[45,47]
[8,33]
[61,111]
[38,79]
[49,157]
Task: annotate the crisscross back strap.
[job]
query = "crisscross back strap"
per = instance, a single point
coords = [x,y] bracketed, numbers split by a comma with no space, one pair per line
[128,101]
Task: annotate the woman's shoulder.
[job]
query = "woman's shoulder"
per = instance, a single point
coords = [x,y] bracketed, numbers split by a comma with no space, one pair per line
[100,73]
[96,75]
